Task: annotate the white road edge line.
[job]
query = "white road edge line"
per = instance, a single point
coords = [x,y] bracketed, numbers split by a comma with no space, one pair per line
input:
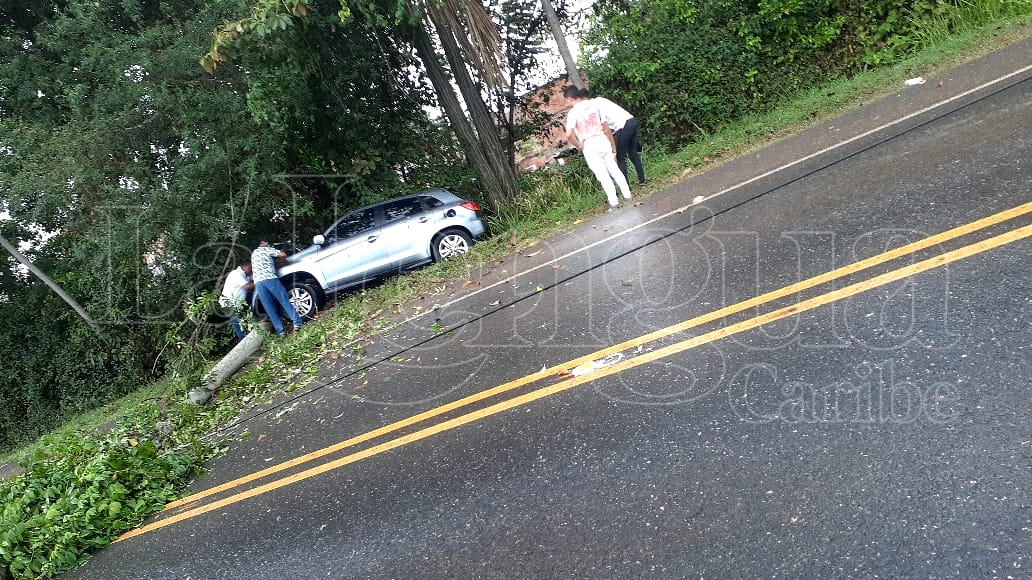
[722,192]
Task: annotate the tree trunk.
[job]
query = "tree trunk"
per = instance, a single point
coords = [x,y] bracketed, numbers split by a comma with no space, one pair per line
[560,40]
[477,133]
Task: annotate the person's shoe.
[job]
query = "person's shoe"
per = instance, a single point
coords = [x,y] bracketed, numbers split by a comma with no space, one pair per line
[297,327]
[643,183]
[283,334]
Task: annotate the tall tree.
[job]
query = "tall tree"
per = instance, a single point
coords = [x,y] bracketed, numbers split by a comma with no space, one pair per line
[464,33]
[134,175]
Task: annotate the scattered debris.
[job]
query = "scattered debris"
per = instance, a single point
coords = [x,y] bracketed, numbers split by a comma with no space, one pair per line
[594,365]
[914,81]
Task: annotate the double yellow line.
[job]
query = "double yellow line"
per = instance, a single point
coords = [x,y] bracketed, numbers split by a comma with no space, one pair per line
[573,381]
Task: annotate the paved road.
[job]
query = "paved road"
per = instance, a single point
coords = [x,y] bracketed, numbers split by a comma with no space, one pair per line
[821,370]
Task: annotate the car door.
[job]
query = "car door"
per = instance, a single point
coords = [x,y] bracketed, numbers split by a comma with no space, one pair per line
[406,231]
[353,250]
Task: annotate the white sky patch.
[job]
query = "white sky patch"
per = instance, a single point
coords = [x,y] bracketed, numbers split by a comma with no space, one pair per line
[280,215]
[40,237]
[135,73]
[128,183]
[551,64]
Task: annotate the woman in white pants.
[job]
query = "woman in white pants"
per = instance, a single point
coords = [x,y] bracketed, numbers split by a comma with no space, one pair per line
[586,131]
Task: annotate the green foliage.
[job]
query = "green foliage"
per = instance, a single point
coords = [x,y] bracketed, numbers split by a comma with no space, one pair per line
[149,178]
[194,341]
[82,492]
[549,196]
[688,67]
[119,149]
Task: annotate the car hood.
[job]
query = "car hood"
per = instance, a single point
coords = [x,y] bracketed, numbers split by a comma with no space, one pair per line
[301,255]
[295,251]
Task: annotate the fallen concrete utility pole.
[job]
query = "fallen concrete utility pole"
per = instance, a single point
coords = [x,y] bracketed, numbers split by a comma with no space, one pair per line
[225,368]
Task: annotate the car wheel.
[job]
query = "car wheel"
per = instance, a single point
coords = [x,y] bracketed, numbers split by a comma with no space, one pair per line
[305,298]
[451,243]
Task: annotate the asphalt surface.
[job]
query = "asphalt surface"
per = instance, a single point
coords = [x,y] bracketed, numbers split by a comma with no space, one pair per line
[819,370]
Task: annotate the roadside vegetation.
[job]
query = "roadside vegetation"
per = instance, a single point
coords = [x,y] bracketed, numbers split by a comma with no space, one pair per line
[121,439]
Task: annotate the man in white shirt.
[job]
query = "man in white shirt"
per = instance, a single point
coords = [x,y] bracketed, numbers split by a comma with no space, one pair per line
[234,295]
[625,133]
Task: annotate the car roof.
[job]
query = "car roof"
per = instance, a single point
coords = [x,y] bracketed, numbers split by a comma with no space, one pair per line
[437,192]
[441,194]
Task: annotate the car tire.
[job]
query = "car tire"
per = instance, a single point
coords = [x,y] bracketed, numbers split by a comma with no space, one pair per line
[450,243]
[305,297]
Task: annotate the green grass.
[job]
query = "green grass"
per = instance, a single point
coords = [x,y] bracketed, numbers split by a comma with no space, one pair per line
[150,424]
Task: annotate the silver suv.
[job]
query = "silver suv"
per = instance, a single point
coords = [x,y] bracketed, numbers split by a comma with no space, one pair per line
[375,241]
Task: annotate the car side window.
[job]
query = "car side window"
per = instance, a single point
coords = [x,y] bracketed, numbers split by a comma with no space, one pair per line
[432,202]
[401,209]
[355,223]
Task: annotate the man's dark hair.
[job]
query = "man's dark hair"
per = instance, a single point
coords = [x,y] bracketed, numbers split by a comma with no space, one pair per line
[572,92]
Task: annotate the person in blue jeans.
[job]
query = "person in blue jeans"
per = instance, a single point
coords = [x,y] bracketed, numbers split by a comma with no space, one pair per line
[269,288]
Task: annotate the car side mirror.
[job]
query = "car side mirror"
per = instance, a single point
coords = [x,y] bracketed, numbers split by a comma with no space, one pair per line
[318,240]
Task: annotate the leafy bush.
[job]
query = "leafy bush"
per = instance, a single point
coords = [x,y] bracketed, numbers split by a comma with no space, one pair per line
[689,67]
[82,492]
